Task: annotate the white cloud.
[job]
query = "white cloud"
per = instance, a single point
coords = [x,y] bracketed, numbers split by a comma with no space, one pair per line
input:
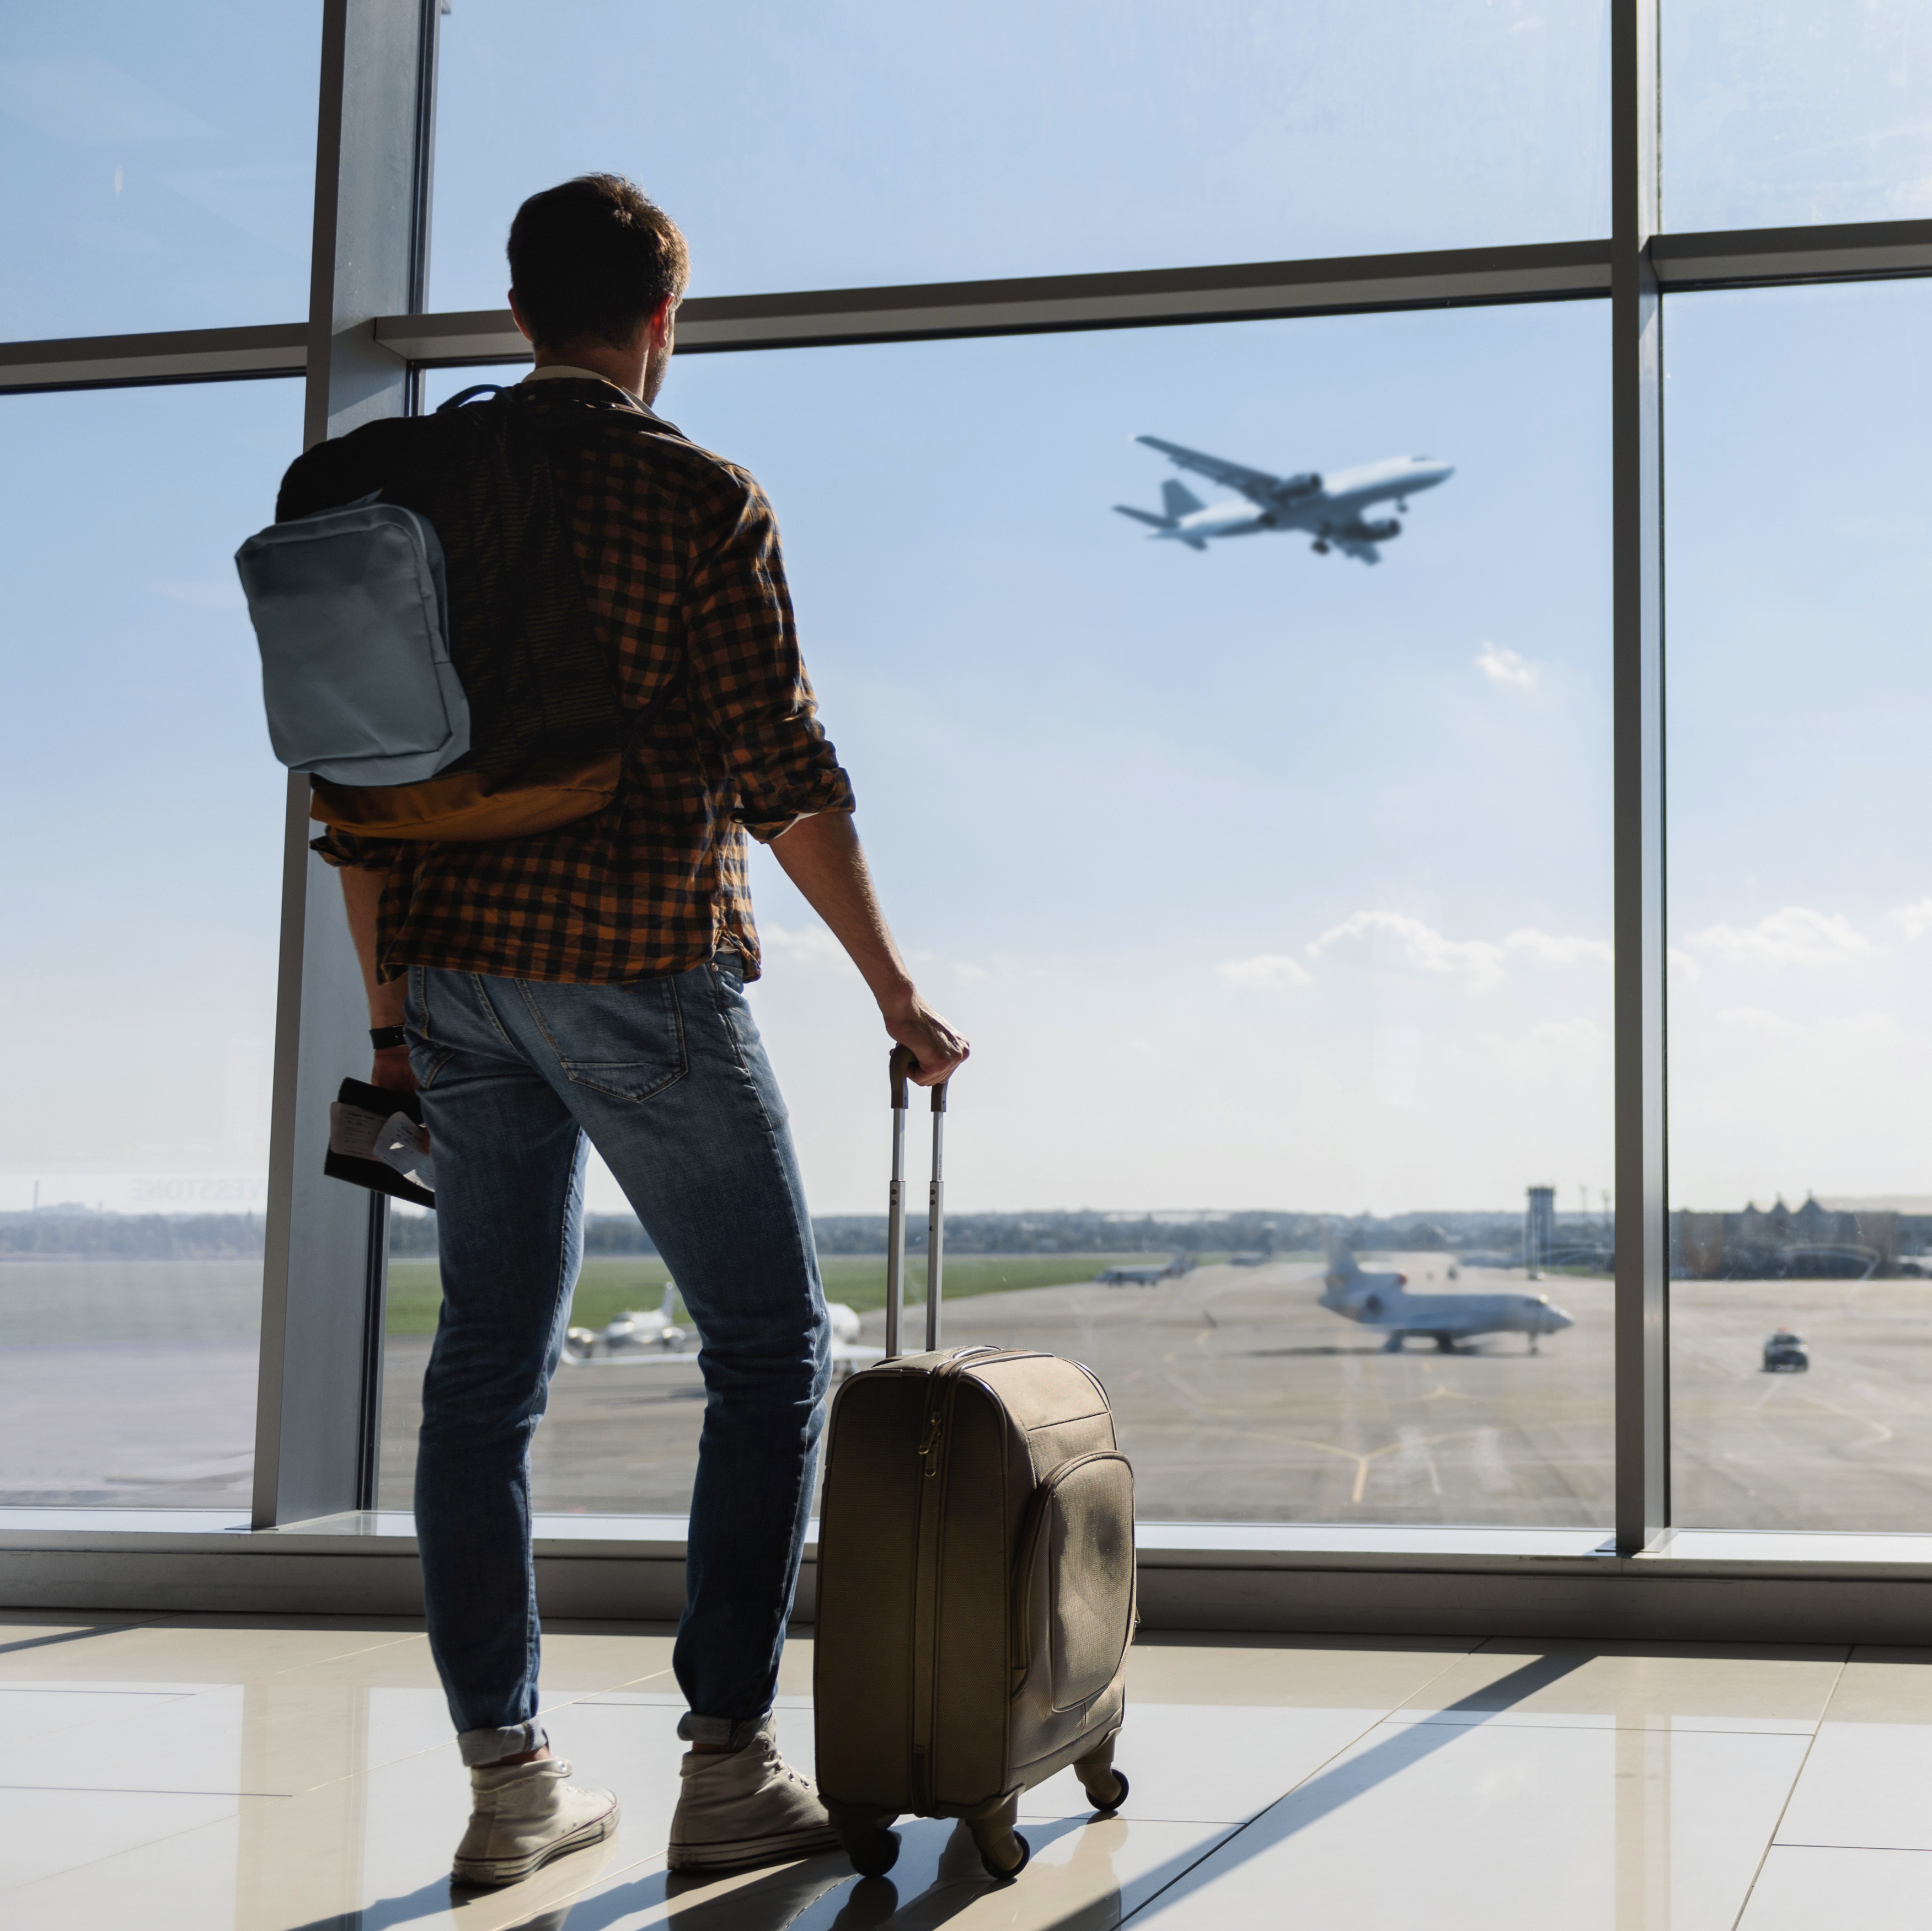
[805,946]
[1916,918]
[1267,971]
[210,593]
[1553,948]
[1795,936]
[1393,941]
[1755,1019]
[1505,666]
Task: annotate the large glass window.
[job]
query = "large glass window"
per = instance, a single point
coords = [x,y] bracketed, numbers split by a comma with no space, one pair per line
[1801,908]
[159,163]
[140,837]
[1271,886]
[867,143]
[1780,112]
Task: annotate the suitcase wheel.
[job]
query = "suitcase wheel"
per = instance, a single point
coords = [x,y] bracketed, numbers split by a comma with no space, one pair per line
[873,1849]
[1106,1788]
[1005,1853]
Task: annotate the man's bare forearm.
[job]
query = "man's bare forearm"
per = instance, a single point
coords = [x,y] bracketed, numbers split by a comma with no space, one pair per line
[823,857]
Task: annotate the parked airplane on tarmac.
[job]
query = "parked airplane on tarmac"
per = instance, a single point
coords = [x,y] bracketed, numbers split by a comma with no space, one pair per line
[1145,1277]
[1330,508]
[1384,1301]
[636,1339]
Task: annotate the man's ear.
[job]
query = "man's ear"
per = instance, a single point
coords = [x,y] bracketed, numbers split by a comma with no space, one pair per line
[517,316]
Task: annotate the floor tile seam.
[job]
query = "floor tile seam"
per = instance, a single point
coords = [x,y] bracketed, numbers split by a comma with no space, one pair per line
[370,1769]
[343,1655]
[144,1790]
[1791,1790]
[1906,1850]
[126,1851]
[1222,1842]
[1501,1721]
[630,1683]
[67,1689]
[1450,1660]
[608,1876]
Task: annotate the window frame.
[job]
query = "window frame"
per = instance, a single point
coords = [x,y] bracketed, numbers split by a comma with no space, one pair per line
[362,351]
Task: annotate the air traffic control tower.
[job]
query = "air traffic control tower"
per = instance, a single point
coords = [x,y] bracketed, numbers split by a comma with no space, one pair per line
[1539,1229]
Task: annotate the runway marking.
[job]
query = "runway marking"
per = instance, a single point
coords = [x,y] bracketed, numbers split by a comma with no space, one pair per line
[1424,1443]
[1831,1407]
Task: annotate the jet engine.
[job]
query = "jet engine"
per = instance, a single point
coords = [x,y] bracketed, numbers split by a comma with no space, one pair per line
[1375,532]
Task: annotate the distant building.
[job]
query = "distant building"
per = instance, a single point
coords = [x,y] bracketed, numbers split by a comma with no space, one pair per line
[1539,1228]
[1839,1240]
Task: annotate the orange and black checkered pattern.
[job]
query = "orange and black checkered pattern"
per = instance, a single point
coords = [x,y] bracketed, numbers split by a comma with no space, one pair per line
[679,554]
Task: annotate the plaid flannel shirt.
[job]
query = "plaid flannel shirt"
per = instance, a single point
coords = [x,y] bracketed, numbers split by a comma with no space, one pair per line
[679,554]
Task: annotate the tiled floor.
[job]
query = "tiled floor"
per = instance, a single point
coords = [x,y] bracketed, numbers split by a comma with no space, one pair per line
[262,1774]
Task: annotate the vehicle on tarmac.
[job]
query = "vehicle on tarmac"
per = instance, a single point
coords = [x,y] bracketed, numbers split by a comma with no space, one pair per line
[1784,1353]
[1146,1277]
[1383,1301]
[654,1340]
[1330,510]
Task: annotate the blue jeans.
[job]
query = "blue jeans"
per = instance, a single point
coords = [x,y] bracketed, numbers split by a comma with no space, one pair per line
[668,1078]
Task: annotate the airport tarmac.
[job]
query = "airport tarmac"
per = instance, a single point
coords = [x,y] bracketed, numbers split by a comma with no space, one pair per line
[1239,1398]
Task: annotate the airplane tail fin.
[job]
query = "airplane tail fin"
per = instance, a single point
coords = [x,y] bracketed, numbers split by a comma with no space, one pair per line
[1342,1259]
[1144,516]
[1179,500]
[669,1299]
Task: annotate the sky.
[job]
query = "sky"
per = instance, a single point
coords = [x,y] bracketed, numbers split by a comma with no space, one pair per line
[1257,877]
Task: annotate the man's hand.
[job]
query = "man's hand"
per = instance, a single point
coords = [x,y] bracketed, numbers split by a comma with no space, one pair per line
[937,1051]
[392,1071]
[822,856]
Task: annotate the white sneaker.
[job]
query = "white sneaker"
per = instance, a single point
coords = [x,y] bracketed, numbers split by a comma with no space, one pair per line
[747,1806]
[522,1816]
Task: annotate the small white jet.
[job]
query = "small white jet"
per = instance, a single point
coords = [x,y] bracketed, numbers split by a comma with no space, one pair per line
[653,1339]
[1329,508]
[1383,1301]
[1145,1277]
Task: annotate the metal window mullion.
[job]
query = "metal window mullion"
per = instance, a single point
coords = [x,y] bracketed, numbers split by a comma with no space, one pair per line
[1642,1370]
[323,1277]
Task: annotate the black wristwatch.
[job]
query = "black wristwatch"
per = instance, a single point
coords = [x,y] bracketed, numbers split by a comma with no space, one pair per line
[383,1037]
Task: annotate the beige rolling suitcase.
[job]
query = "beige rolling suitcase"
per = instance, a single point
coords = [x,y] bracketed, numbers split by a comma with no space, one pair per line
[976,1576]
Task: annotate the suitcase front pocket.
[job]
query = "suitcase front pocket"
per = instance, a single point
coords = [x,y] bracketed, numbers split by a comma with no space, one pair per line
[1075,1600]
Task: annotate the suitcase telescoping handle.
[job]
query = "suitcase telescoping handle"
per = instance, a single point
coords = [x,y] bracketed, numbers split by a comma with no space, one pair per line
[902,1063]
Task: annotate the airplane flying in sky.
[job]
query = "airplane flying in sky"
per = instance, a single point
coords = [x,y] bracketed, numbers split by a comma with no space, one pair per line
[1384,1301]
[1331,509]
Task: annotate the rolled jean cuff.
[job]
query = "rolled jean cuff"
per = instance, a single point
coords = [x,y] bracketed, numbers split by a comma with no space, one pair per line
[728,1733]
[480,1747]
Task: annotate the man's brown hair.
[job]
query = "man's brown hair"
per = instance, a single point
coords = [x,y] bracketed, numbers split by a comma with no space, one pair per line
[593,257]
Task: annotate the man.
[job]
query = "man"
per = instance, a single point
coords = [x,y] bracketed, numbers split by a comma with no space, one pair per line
[588,983]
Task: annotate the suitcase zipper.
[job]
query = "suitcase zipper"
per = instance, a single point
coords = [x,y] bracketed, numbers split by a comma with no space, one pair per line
[943,1391]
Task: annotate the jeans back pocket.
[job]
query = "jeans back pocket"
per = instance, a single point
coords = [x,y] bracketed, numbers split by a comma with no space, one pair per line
[627,1041]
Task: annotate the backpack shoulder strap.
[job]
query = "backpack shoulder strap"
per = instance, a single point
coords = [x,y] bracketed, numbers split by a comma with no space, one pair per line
[476,389]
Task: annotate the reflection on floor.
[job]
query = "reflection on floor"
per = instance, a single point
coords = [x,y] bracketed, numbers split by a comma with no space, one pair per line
[272,1774]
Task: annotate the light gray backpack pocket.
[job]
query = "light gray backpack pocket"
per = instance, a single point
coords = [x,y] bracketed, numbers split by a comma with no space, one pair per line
[351,612]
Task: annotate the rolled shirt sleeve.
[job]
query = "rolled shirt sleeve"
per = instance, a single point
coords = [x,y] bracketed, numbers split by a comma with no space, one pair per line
[747,678]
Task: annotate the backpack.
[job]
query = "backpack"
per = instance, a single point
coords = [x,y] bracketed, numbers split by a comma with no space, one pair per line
[428,660]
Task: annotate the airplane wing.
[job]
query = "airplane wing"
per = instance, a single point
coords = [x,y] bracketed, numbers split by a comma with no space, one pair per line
[1257,485]
[1362,553]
